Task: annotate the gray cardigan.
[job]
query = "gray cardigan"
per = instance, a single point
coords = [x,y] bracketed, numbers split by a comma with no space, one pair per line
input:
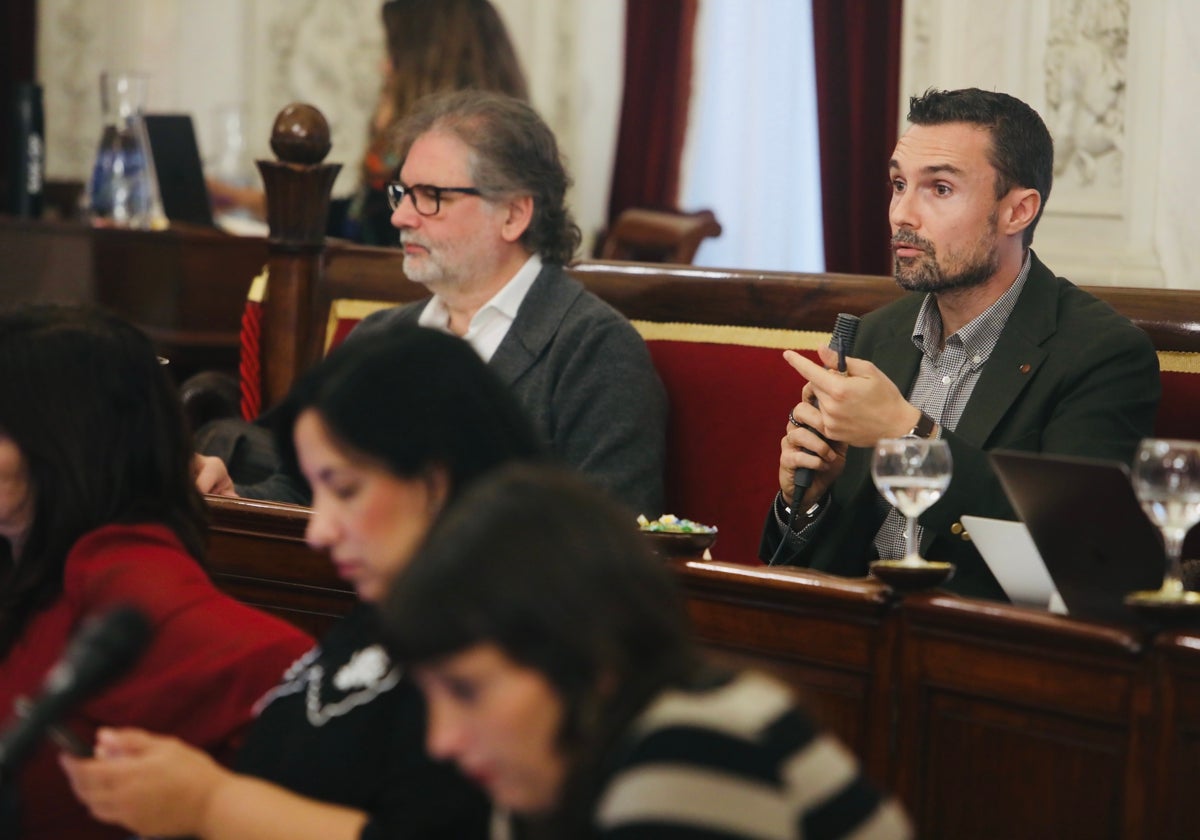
[585,377]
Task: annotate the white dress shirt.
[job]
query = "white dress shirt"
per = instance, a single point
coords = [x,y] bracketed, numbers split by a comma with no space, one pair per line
[490,324]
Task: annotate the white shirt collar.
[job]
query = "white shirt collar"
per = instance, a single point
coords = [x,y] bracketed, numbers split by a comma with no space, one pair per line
[490,324]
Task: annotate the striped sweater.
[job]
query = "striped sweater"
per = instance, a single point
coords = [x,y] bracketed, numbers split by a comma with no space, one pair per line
[738,761]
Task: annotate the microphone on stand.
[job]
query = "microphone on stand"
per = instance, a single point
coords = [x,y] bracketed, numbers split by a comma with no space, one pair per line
[845,330]
[104,648]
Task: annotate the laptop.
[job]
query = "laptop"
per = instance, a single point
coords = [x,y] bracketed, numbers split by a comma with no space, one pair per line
[1088,527]
[177,164]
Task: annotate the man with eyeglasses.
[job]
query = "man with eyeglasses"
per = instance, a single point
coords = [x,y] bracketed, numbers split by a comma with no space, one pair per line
[480,209]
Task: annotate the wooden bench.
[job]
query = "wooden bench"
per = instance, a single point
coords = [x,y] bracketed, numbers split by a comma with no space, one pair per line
[716,338]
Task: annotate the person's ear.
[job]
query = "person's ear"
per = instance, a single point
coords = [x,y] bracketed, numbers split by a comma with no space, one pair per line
[518,215]
[437,480]
[1020,208]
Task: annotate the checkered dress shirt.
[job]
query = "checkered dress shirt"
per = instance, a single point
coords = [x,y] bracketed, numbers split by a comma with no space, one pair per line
[946,380]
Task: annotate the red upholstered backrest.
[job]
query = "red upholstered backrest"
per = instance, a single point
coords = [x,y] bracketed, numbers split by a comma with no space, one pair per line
[730,392]
[344,316]
[1179,409]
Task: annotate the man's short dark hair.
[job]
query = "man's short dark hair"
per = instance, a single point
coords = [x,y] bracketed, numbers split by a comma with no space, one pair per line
[513,153]
[1022,150]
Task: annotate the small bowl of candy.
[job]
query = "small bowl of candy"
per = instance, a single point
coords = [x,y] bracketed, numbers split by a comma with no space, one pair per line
[672,536]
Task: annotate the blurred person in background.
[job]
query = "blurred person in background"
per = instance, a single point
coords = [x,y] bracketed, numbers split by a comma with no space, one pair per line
[98,510]
[432,46]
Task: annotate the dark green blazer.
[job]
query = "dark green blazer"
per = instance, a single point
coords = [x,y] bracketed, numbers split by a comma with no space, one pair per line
[1068,376]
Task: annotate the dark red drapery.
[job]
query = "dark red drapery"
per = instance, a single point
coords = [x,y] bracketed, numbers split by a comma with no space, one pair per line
[654,110]
[857,52]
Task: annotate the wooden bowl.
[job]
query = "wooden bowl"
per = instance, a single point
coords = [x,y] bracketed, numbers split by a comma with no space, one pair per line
[679,544]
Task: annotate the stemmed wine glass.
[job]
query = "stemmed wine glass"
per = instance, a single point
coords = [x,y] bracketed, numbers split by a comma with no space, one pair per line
[912,473]
[1166,480]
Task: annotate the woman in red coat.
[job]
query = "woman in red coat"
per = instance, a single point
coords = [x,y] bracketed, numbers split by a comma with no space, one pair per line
[98,509]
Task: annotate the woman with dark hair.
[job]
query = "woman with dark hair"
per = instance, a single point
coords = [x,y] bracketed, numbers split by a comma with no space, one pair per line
[559,673]
[98,509]
[387,430]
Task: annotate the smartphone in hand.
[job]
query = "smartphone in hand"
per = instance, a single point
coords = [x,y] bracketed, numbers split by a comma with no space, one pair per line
[59,733]
[68,741]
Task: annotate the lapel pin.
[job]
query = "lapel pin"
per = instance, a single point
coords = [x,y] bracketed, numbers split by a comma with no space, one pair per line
[1025,368]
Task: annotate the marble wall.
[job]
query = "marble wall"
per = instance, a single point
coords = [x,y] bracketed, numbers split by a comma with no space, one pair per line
[1115,81]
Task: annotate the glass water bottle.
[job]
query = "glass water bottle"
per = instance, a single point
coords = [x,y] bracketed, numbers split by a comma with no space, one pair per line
[124,187]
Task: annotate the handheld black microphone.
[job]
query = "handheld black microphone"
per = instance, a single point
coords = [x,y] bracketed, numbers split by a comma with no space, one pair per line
[845,330]
[103,649]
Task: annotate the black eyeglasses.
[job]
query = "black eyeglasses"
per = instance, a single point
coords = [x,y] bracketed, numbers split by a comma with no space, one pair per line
[426,198]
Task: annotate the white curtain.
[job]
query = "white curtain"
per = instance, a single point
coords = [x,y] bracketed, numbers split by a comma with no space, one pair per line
[751,153]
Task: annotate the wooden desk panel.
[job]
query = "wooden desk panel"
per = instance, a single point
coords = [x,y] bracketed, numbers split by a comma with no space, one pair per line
[45,262]
[828,637]
[185,287]
[1176,742]
[257,554]
[1011,718]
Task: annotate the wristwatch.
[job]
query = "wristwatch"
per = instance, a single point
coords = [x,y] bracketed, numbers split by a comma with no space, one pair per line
[925,427]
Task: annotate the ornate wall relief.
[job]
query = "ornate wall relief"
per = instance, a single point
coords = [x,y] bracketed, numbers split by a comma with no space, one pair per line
[1086,53]
[1094,70]
[328,54]
[71,36]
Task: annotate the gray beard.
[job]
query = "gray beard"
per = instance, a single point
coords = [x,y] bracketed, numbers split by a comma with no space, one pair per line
[426,273]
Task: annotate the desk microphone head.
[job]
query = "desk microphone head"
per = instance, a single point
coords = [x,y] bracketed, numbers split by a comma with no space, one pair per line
[104,648]
[845,330]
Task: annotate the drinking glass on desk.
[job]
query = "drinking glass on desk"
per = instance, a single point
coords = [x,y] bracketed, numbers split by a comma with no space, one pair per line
[912,473]
[1166,480]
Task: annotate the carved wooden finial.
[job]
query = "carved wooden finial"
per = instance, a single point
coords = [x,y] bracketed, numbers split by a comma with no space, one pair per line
[298,184]
[300,134]
[298,187]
